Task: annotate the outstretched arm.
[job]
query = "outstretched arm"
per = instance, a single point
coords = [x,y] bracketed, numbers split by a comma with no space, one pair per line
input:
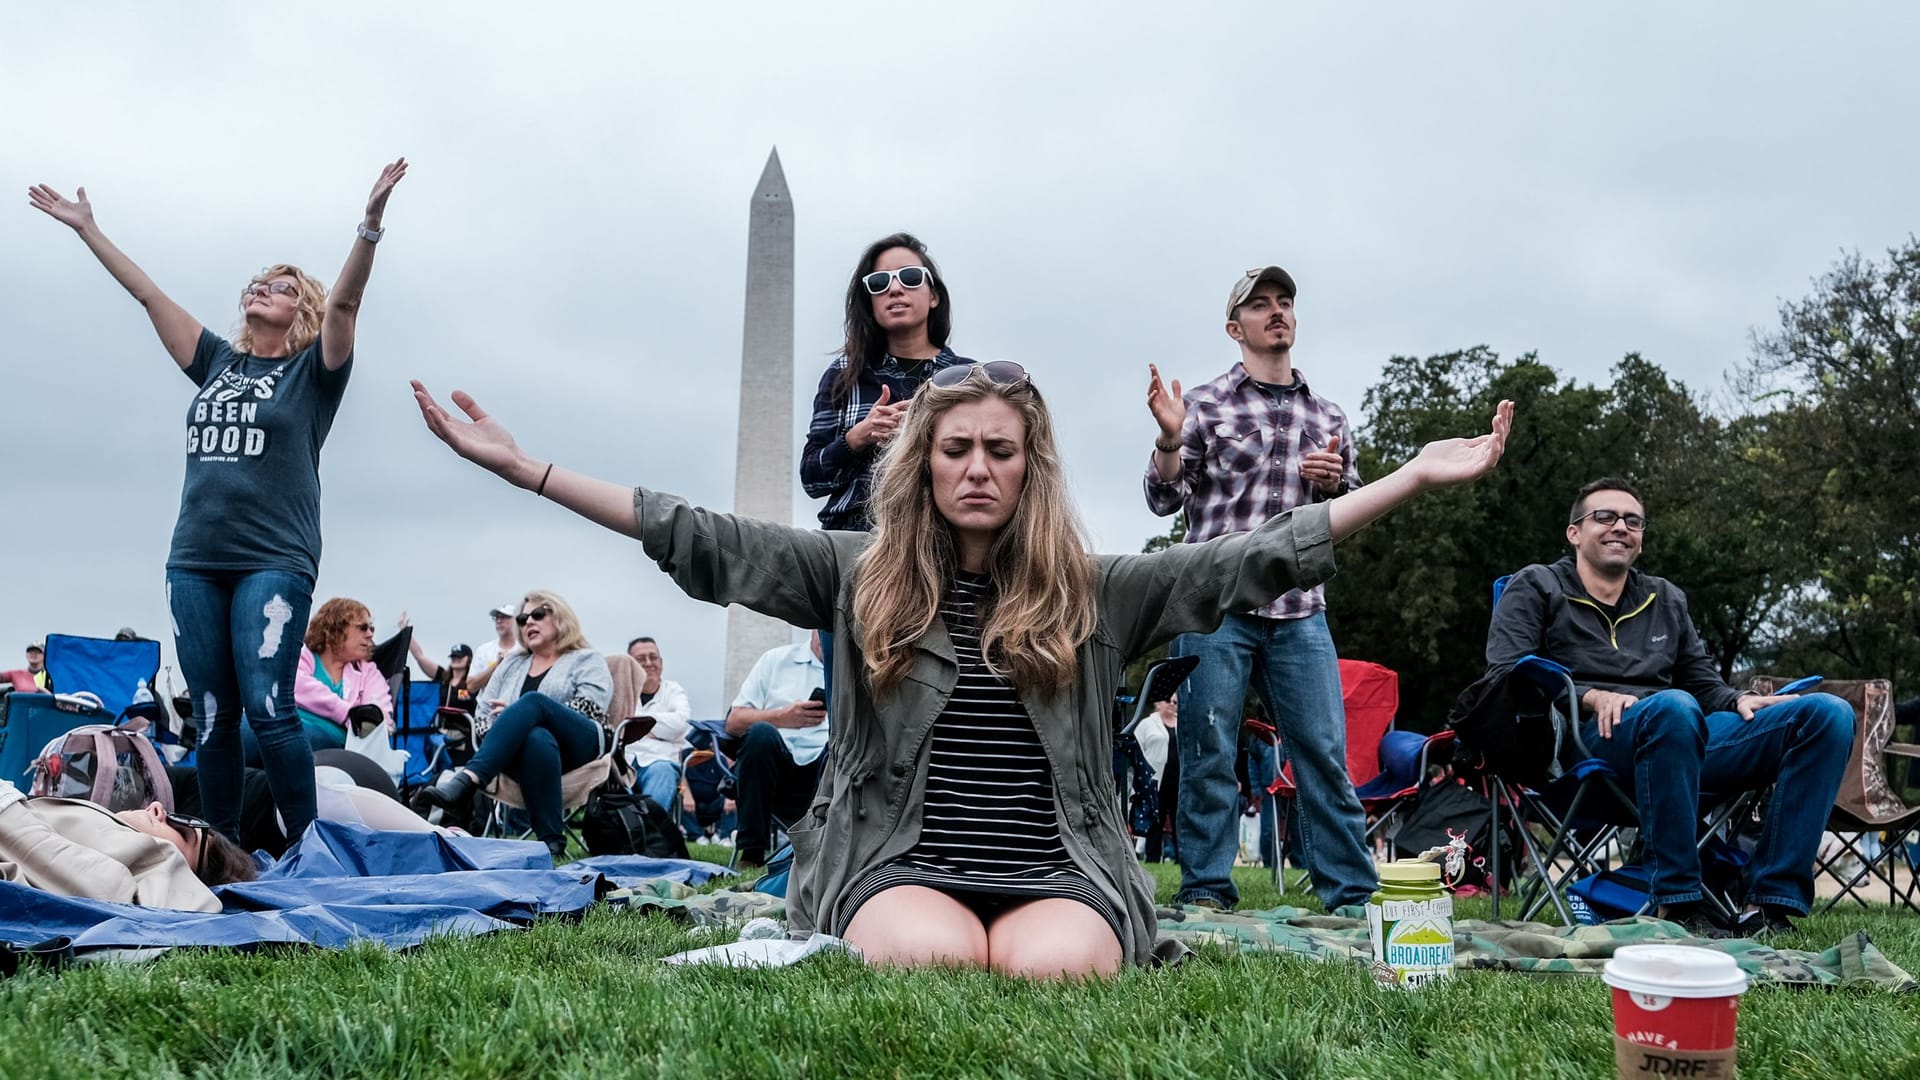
[1190,588]
[343,303]
[1438,465]
[790,574]
[179,332]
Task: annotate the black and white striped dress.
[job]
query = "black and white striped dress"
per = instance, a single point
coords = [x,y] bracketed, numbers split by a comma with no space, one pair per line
[989,835]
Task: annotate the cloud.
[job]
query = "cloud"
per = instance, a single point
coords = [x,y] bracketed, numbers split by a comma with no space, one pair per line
[570,246]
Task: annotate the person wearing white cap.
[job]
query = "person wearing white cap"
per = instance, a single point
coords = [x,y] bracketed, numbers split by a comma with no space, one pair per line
[1252,445]
[490,653]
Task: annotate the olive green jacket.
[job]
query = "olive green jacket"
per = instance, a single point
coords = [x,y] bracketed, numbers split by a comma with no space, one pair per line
[868,805]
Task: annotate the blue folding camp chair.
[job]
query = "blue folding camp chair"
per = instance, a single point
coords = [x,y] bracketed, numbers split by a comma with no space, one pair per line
[113,671]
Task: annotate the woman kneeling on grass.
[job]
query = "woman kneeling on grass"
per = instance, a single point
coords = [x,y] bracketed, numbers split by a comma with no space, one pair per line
[967,813]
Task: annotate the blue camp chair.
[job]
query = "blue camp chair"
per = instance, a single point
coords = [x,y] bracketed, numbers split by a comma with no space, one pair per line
[113,671]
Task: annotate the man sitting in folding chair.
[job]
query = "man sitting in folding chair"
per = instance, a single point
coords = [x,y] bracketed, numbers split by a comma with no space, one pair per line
[1655,709]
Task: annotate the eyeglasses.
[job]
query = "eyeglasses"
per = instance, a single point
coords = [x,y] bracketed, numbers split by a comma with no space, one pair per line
[999,372]
[910,277]
[1634,522]
[277,288]
[525,617]
[184,824]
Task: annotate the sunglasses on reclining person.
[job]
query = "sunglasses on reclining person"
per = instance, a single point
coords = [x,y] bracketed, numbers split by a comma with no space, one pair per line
[910,277]
[185,825]
[526,617]
[277,288]
[999,372]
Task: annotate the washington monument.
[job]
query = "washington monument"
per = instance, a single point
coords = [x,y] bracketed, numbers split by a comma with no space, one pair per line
[763,461]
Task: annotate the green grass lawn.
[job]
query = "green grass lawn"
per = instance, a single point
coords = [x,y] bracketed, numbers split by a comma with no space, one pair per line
[588,998]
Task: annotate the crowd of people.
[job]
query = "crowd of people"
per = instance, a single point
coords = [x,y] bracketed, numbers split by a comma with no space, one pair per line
[939,748]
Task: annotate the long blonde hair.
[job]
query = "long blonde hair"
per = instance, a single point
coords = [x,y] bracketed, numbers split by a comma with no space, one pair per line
[311,308]
[1042,605]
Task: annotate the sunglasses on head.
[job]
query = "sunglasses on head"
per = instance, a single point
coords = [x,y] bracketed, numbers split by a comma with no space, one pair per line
[276,288]
[910,277]
[525,617]
[1634,522]
[186,825]
[998,372]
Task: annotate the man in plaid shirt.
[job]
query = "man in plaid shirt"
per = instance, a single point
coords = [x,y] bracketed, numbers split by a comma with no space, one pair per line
[1251,444]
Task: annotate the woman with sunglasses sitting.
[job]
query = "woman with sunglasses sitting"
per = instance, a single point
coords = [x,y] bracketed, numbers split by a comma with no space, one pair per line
[967,813]
[899,315]
[246,546]
[72,847]
[543,714]
[338,683]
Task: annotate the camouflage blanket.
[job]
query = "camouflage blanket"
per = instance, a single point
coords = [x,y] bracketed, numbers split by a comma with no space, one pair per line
[1509,945]
[1536,948]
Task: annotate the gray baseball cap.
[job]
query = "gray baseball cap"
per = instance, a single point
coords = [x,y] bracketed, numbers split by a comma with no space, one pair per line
[1243,286]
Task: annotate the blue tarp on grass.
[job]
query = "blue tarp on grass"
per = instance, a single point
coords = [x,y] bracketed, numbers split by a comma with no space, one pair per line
[346,883]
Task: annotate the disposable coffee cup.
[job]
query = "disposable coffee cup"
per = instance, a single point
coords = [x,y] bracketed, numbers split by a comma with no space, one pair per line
[1674,1010]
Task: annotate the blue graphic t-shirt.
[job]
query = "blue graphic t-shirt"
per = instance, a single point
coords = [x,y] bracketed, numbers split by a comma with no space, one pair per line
[251,500]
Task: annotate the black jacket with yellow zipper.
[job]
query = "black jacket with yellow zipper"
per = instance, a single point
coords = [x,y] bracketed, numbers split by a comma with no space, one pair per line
[1649,646]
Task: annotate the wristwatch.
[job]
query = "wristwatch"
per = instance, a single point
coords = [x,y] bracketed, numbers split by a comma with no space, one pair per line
[371,236]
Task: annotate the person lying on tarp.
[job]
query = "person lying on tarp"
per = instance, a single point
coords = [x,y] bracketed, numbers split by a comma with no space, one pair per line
[71,847]
[348,787]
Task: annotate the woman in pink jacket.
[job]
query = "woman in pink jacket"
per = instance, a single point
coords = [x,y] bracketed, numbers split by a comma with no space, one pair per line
[337,673]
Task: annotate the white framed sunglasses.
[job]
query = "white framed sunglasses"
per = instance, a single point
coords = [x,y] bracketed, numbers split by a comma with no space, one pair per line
[910,277]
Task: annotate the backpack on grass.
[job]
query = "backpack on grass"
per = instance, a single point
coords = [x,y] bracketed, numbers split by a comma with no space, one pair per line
[114,766]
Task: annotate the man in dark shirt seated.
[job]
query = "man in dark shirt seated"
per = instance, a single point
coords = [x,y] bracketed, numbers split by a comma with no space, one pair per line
[1654,707]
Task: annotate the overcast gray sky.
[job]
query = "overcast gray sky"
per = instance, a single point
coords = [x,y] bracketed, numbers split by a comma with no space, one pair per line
[570,243]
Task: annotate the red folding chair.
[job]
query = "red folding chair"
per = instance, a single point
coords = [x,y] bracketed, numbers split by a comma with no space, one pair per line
[1388,768]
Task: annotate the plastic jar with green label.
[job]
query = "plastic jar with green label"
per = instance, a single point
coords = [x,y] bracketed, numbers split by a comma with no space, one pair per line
[1411,923]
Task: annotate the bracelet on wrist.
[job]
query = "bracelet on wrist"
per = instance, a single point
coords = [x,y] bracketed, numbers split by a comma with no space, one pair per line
[1158,445]
[542,489]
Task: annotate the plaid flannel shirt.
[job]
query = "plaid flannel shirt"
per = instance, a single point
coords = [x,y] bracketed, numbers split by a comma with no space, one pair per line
[1240,453]
[836,472]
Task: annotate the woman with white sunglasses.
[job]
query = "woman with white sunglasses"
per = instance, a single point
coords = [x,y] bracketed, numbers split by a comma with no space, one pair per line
[246,547]
[899,316]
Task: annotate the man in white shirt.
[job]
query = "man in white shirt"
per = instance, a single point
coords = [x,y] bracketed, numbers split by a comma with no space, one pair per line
[488,656]
[656,758]
[780,721]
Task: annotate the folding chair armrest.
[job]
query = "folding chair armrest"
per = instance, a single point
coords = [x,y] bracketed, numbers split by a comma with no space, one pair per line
[1901,749]
[1556,681]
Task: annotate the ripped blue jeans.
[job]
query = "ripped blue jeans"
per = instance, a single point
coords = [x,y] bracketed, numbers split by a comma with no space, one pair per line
[237,634]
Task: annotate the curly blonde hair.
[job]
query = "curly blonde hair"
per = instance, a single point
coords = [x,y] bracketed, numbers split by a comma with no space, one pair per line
[327,627]
[312,307]
[1042,606]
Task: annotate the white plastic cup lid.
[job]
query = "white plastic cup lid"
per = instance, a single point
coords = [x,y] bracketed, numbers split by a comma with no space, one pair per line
[1679,971]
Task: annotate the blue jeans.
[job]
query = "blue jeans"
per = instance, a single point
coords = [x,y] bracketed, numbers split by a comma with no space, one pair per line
[660,781]
[1675,752]
[1298,674]
[535,741]
[237,634]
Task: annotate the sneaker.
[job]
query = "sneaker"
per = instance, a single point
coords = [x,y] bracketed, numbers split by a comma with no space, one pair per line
[1768,922]
[1700,921]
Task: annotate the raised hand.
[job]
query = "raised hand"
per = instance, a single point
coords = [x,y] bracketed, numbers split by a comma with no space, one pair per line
[383,187]
[1456,461]
[1169,409]
[881,423]
[1324,468]
[74,213]
[481,439]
